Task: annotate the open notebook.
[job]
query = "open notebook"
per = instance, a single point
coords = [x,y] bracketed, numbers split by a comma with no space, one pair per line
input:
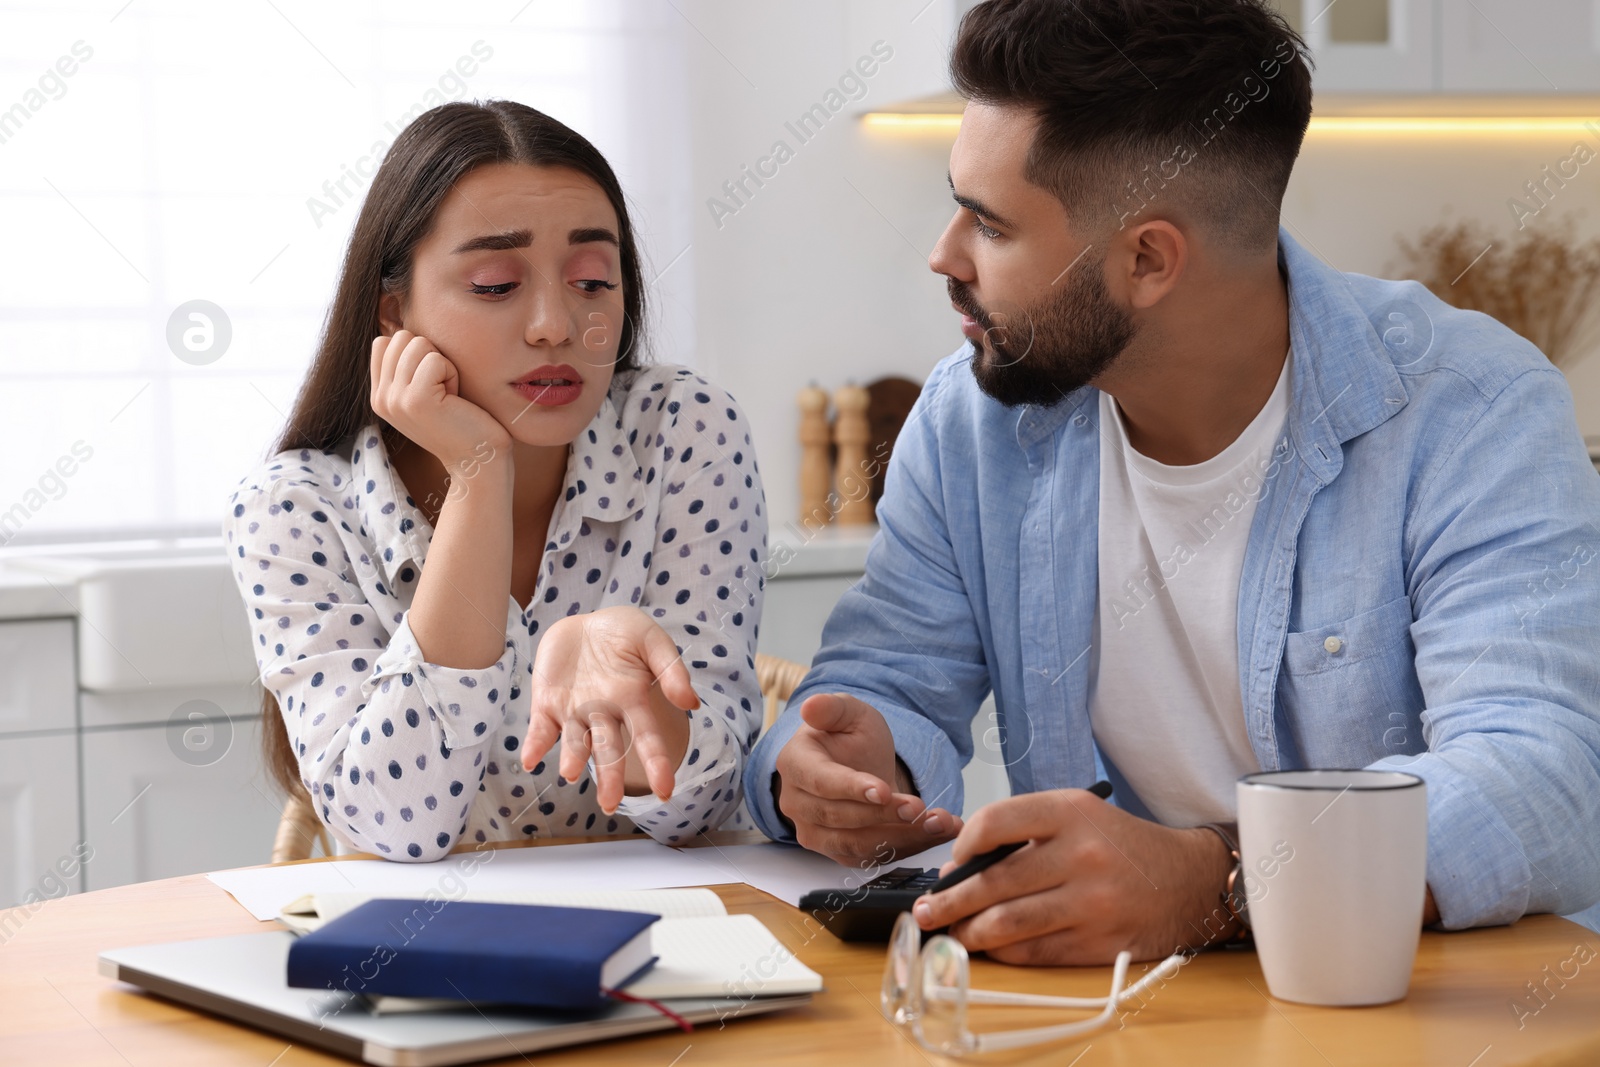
[702,950]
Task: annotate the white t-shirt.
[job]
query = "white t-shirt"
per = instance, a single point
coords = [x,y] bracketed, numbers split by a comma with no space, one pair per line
[1164,670]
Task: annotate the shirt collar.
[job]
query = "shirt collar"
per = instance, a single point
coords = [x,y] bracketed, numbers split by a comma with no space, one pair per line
[1343,382]
[603,481]
[1035,422]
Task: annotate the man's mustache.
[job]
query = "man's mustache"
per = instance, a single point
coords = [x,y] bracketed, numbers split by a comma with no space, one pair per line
[962,298]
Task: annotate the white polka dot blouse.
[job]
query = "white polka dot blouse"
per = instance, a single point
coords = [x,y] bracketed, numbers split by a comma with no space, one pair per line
[662,508]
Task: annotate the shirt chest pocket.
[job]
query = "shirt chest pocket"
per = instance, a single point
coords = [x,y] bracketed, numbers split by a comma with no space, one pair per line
[1348,691]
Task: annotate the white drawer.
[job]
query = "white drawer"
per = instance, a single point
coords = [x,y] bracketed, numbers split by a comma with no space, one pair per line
[169,705]
[38,688]
[153,810]
[42,854]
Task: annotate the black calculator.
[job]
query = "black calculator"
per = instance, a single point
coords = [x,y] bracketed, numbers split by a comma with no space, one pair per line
[868,912]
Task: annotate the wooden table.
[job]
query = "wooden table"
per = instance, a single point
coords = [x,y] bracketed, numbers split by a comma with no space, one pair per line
[56,1009]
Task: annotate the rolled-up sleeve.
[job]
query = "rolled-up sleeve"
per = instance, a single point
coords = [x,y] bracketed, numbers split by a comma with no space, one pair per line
[904,639]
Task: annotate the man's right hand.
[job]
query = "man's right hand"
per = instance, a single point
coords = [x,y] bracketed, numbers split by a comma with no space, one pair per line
[836,779]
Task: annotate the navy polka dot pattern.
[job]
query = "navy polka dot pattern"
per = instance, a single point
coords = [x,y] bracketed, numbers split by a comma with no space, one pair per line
[662,509]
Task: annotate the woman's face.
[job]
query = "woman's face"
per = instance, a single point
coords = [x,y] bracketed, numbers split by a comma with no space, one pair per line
[519,285]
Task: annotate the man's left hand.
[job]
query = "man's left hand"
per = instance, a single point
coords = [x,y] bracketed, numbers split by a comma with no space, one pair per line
[1092,881]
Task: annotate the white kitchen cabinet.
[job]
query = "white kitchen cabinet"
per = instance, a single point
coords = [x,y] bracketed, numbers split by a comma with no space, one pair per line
[1516,46]
[1369,46]
[37,690]
[175,798]
[133,707]
[39,844]
[160,704]
[795,610]
[39,802]
[1450,46]
[808,571]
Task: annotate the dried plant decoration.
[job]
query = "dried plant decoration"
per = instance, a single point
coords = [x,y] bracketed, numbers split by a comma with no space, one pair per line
[1541,283]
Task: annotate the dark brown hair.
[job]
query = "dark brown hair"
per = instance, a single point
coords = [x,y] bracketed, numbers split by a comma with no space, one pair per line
[1122,87]
[425,162]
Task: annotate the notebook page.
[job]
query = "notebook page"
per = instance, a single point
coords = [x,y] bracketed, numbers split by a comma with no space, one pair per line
[721,956]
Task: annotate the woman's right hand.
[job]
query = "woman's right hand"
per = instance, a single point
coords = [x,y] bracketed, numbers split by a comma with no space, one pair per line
[418,391]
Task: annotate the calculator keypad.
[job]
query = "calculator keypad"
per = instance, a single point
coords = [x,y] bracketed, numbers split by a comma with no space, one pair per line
[913,878]
[868,912]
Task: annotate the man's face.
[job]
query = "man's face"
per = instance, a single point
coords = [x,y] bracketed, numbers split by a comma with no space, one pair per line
[1032,295]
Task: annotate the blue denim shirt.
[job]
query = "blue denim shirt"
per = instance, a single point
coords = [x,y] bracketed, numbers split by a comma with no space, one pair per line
[1431,504]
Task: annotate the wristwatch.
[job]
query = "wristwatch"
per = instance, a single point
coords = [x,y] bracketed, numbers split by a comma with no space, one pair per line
[1233,896]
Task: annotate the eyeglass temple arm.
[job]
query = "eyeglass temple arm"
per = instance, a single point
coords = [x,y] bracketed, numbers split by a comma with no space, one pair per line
[1166,969]
[1019,1038]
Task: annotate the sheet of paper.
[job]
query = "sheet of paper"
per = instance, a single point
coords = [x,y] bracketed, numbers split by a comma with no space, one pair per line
[667,903]
[632,864]
[789,872]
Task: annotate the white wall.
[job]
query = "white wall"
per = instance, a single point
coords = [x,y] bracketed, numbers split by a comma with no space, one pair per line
[808,281]
[1352,195]
[822,275]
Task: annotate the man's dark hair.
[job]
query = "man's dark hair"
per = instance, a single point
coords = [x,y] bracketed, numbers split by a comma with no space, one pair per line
[1197,104]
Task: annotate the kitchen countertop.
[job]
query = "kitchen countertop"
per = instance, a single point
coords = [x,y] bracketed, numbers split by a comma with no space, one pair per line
[42,583]
[795,552]
[29,595]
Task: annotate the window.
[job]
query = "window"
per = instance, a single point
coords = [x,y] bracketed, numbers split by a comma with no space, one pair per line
[162,153]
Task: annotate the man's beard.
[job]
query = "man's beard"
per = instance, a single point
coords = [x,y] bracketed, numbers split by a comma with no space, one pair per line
[1041,354]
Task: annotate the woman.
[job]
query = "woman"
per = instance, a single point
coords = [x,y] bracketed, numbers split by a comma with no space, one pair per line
[489,529]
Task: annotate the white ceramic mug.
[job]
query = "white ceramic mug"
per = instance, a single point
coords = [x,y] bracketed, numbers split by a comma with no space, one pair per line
[1335,868]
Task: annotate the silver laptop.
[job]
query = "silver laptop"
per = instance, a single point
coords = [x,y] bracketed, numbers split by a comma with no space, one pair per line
[243,978]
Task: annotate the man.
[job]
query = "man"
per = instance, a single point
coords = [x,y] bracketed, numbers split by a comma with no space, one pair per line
[1191,503]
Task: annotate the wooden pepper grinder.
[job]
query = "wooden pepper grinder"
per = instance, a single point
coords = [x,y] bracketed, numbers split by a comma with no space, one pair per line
[851,433]
[815,475]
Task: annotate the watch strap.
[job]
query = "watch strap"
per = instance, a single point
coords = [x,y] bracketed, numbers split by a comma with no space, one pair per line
[1233,895]
[1229,832]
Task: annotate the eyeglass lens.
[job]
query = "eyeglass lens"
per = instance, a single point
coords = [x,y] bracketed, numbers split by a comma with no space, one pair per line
[945,975]
[898,999]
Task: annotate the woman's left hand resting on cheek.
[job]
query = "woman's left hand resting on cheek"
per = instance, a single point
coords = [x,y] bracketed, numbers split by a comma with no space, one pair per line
[611,683]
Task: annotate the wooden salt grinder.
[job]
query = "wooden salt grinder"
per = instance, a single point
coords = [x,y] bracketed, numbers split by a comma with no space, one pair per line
[851,433]
[815,475]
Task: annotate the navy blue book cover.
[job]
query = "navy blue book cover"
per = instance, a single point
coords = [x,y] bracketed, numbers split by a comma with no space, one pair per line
[530,954]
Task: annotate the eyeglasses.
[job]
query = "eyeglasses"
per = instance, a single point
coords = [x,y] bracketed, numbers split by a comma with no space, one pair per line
[925,993]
